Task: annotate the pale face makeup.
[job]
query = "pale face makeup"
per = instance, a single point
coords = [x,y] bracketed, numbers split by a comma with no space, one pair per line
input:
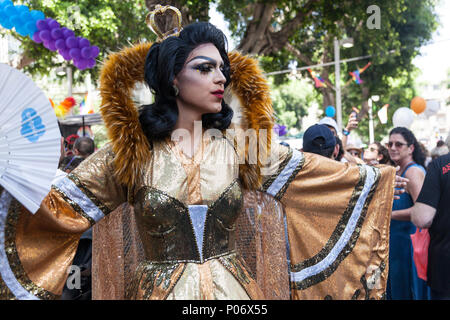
[201,82]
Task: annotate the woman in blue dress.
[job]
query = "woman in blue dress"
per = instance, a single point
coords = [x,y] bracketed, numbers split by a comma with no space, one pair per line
[403,282]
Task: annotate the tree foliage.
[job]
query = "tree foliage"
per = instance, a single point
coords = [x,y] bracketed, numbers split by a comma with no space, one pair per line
[305,31]
[109,24]
[405,27]
[291,101]
[276,31]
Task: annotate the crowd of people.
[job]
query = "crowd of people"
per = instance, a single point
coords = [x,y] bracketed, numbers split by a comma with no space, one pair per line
[213,222]
[74,150]
[428,201]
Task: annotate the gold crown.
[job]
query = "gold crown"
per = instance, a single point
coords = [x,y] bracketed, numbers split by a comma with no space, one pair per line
[164,22]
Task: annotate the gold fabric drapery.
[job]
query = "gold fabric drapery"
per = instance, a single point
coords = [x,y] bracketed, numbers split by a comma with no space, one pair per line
[337,215]
[117,250]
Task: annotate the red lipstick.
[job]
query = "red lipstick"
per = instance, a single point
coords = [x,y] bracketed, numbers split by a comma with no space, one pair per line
[218,94]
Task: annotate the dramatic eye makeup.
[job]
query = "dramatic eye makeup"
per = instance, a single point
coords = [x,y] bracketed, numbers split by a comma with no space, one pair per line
[207,66]
[204,67]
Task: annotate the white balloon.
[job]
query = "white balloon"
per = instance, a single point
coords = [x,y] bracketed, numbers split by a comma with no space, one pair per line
[403,117]
[433,107]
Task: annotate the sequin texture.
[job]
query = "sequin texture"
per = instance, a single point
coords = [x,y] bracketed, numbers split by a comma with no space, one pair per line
[337,234]
[74,205]
[13,257]
[164,226]
[235,265]
[89,194]
[150,275]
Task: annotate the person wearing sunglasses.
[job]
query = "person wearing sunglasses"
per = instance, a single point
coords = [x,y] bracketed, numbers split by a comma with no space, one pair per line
[403,282]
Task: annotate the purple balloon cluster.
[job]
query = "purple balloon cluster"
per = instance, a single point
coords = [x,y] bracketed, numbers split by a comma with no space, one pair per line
[280,129]
[63,40]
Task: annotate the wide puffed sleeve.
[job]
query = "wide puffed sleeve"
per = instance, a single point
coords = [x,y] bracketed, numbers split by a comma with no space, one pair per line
[337,218]
[36,251]
[92,188]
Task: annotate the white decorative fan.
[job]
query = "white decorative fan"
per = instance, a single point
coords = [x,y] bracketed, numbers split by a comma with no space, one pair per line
[29,139]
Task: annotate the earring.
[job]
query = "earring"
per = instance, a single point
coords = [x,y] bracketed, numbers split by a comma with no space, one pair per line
[177,91]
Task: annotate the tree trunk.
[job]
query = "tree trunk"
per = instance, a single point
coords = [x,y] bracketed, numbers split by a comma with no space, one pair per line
[24,61]
[329,98]
[365,93]
[260,38]
[257,30]
[328,92]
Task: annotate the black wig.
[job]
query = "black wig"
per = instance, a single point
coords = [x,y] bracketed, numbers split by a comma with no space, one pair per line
[164,61]
[418,155]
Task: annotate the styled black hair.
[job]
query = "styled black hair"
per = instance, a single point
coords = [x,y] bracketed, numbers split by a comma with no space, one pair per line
[164,61]
[418,155]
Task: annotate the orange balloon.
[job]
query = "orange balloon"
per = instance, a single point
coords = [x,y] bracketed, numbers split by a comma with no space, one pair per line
[418,105]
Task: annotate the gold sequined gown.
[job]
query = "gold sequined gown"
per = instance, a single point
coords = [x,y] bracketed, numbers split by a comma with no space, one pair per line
[186,211]
[315,229]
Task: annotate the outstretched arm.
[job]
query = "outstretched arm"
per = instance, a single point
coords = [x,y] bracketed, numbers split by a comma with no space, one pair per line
[352,124]
[337,218]
[415,178]
[41,247]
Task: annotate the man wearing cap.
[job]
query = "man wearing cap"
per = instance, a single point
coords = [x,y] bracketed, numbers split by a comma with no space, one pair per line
[319,139]
[345,155]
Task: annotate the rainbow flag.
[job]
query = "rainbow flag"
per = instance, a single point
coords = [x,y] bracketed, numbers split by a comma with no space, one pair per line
[318,81]
[86,106]
[356,74]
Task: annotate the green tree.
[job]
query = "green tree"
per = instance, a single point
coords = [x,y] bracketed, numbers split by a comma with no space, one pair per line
[305,31]
[276,31]
[291,101]
[405,27]
[109,24]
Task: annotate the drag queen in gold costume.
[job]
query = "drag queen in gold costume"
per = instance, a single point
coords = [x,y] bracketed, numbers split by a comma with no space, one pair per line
[214,217]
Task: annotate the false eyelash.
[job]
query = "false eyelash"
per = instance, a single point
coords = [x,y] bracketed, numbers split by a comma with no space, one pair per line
[203,68]
[207,68]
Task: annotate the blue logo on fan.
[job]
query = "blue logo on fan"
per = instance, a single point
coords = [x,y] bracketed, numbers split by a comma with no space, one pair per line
[32,126]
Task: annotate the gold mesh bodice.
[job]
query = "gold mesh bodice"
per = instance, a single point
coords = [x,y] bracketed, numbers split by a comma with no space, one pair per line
[167,233]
